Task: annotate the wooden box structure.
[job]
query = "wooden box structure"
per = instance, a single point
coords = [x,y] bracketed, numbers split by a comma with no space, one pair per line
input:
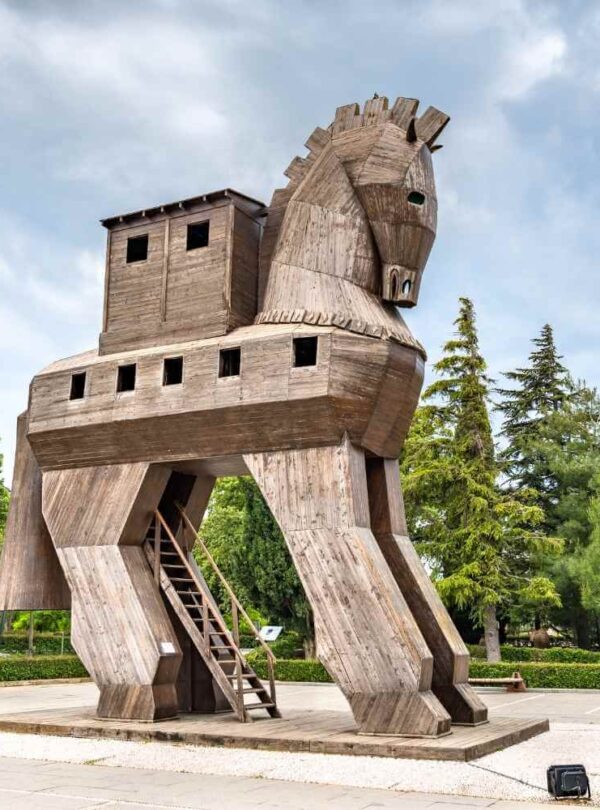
[244,339]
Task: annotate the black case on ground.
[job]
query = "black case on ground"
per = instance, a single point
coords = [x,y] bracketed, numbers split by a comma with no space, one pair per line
[568,781]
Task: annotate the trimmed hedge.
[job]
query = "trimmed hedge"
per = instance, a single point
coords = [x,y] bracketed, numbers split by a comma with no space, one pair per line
[536,674]
[557,655]
[40,667]
[290,669]
[542,675]
[43,643]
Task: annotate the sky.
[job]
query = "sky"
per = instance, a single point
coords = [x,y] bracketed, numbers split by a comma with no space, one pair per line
[113,105]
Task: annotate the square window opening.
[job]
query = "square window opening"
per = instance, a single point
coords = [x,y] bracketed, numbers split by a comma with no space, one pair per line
[197,235]
[137,248]
[305,351]
[173,371]
[229,362]
[126,378]
[77,385]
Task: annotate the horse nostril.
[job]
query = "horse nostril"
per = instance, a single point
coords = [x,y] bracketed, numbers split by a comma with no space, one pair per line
[406,287]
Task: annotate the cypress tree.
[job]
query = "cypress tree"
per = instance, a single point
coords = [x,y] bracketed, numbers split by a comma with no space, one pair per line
[479,541]
[542,388]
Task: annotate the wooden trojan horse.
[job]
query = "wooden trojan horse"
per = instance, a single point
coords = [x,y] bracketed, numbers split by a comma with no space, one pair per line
[242,339]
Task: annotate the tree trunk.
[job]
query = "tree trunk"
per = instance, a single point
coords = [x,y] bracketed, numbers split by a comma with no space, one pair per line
[582,629]
[492,636]
[30,635]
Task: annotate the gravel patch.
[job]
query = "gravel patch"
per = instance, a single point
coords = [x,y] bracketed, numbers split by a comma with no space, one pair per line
[517,773]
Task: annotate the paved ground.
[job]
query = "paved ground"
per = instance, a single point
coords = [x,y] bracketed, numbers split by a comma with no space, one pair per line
[559,706]
[50,772]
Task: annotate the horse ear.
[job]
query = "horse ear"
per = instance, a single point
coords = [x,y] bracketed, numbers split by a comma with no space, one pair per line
[411,131]
[430,124]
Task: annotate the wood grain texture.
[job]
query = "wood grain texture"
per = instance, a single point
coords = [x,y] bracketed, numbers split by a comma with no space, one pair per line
[178,294]
[450,655]
[30,575]
[366,635]
[91,515]
[319,732]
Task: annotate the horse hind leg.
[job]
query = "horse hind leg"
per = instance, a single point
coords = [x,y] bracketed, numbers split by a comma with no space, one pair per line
[366,635]
[450,656]
[97,517]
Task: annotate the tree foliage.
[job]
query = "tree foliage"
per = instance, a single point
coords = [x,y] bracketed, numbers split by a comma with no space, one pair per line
[481,543]
[540,389]
[567,446]
[4,499]
[248,546]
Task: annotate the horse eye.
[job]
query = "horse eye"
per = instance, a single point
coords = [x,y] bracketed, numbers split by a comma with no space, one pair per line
[416,198]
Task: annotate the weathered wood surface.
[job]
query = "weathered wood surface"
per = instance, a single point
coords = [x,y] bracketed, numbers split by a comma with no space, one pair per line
[119,623]
[176,294]
[359,386]
[450,655]
[320,732]
[30,575]
[366,635]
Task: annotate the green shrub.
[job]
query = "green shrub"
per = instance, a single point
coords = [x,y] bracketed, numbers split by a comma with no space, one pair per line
[43,643]
[535,673]
[539,675]
[288,645]
[40,667]
[564,655]
[294,669]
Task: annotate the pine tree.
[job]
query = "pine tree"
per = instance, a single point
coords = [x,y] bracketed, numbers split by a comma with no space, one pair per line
[542,388]
[479,542]
[567,445]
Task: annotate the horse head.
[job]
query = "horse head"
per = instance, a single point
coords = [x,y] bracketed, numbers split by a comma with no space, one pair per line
[360,211]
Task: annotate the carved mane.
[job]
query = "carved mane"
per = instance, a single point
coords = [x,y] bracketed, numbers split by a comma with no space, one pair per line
[371,316]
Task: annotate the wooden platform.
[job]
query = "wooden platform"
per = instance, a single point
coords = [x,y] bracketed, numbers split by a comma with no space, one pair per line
[323,732]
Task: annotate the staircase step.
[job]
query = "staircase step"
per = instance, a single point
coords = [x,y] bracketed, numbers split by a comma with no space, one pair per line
[268,705]
[193,603]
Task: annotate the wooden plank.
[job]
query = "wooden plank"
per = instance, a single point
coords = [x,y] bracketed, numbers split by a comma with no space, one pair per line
[327,733]
[366,635]
[30,574]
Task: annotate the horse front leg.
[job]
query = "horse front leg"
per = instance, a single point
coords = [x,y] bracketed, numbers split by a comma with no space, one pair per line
[366,635]
[450,655]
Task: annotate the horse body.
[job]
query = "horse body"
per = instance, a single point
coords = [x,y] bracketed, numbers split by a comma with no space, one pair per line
[344,245]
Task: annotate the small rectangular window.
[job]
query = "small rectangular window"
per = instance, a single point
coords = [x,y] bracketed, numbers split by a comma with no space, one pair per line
[77,385]
[229,362]
[173,371]
[126,378]
[197,235]
[137,248]
[305,351]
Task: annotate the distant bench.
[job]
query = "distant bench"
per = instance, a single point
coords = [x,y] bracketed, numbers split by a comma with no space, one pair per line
[514,683]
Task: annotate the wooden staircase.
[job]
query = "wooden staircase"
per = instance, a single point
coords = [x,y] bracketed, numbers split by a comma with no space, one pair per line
[193,603]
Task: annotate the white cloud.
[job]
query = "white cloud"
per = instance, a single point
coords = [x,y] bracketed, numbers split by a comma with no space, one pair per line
[531,59]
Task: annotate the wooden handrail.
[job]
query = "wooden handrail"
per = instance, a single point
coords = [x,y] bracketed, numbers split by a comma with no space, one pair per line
[226,585]
[193,575]
[235,605]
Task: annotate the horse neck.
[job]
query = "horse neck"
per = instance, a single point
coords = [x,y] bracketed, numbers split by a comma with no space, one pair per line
[324,259]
